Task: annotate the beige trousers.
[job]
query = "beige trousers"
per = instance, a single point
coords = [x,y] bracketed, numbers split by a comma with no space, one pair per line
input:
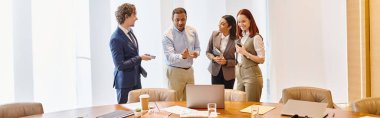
[250,80]
[178,79]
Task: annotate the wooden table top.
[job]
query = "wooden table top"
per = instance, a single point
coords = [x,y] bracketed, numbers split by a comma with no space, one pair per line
[231,110]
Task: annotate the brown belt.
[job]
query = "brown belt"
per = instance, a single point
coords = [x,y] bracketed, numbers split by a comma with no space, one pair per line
[181,67]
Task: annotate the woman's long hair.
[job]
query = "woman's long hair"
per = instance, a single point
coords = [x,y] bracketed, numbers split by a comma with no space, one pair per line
[252,28]
[231,23]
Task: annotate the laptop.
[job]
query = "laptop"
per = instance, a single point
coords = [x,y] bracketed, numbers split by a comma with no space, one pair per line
[198,96]
[117,114]
[304,108]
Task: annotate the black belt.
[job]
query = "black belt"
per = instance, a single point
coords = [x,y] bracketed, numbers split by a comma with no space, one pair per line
[181,67]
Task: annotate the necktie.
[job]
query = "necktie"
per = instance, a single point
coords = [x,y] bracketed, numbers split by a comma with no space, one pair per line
[132,37]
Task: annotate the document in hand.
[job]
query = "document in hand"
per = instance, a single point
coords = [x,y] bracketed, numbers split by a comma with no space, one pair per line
[216,52]
[262,109]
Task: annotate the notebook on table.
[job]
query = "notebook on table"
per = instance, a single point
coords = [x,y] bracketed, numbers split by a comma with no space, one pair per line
[304,108]
[117,114]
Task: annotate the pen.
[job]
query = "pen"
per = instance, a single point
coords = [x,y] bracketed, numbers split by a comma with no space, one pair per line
[157,106]
[326,115]
[169,115]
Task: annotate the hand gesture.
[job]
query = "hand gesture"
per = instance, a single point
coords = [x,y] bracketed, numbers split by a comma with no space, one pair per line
[145,57]
[220,60]
[194,54]
[185,54]
[240,50]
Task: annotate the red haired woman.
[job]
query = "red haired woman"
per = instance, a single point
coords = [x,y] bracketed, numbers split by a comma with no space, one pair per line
[250,49]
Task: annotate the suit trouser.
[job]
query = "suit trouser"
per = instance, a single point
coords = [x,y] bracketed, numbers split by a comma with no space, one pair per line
[219,79]
[122,93]
[178,78]
[250,80]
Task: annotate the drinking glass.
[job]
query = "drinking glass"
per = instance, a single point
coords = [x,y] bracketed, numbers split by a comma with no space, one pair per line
[211,108]
[255,111]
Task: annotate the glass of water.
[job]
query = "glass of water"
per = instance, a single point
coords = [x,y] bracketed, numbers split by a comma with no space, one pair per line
[211,108]
[255,111]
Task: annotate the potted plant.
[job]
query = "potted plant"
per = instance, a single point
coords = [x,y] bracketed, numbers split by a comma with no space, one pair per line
[137,112]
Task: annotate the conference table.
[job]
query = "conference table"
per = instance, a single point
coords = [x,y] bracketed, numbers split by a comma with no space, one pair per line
[231,110]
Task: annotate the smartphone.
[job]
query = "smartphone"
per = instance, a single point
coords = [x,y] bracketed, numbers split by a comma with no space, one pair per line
[239,44]
[153,57]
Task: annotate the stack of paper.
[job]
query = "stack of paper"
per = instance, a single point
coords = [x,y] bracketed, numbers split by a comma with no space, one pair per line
[179,110]
[195,114]
[262,109]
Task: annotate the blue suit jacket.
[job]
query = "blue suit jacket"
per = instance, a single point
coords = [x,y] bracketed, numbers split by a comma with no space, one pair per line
[126,60]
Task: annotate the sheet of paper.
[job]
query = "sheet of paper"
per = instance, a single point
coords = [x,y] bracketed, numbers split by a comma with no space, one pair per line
[136,105]
[368,117]
[195,114]
[262,109]
[179,110]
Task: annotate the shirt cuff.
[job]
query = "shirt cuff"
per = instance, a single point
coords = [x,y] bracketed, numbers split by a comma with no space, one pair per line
[179,56]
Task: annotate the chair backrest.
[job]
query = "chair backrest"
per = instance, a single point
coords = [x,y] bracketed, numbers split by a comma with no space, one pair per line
[155,94]
[16,110]
[311,94]
[367,105]
[235,95]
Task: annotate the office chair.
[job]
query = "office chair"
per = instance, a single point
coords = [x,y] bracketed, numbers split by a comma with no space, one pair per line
[367,105]
[16,110]
[155,94]
[235,95]
[311,94]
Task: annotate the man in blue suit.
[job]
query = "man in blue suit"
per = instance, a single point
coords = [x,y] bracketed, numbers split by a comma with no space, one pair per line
[125,54]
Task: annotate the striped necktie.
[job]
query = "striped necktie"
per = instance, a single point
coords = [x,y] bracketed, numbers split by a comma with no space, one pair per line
[132,38]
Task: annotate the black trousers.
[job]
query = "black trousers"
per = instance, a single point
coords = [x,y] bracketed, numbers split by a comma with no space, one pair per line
[219,79]
[122,94]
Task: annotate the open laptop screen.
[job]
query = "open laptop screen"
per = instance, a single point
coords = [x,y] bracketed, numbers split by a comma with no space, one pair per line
[198,96]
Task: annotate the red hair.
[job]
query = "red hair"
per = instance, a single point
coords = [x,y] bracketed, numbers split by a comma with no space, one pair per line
[252,28]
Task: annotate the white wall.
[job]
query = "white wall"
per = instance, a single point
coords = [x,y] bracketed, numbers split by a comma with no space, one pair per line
[335,48]
[101,60]
[6,52]
[308,45]
[23,59]
[54,54]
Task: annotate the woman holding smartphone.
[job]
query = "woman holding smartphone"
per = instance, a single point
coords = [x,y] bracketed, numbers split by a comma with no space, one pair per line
[250,53]
[221,52]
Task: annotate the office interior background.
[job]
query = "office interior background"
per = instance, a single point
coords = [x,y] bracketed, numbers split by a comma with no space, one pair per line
[57,51]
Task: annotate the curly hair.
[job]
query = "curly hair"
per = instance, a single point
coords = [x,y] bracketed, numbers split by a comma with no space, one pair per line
[124,11]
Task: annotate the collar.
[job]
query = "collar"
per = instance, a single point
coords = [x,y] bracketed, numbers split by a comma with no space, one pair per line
[125,30]
[245,33]
[223,37]
[175,28]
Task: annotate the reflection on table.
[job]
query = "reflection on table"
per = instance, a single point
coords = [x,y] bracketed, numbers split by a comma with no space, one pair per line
[231,110]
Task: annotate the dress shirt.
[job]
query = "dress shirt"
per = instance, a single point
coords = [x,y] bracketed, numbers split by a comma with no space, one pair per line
[223,42]
[257,43]
[127,32]
[175,41]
